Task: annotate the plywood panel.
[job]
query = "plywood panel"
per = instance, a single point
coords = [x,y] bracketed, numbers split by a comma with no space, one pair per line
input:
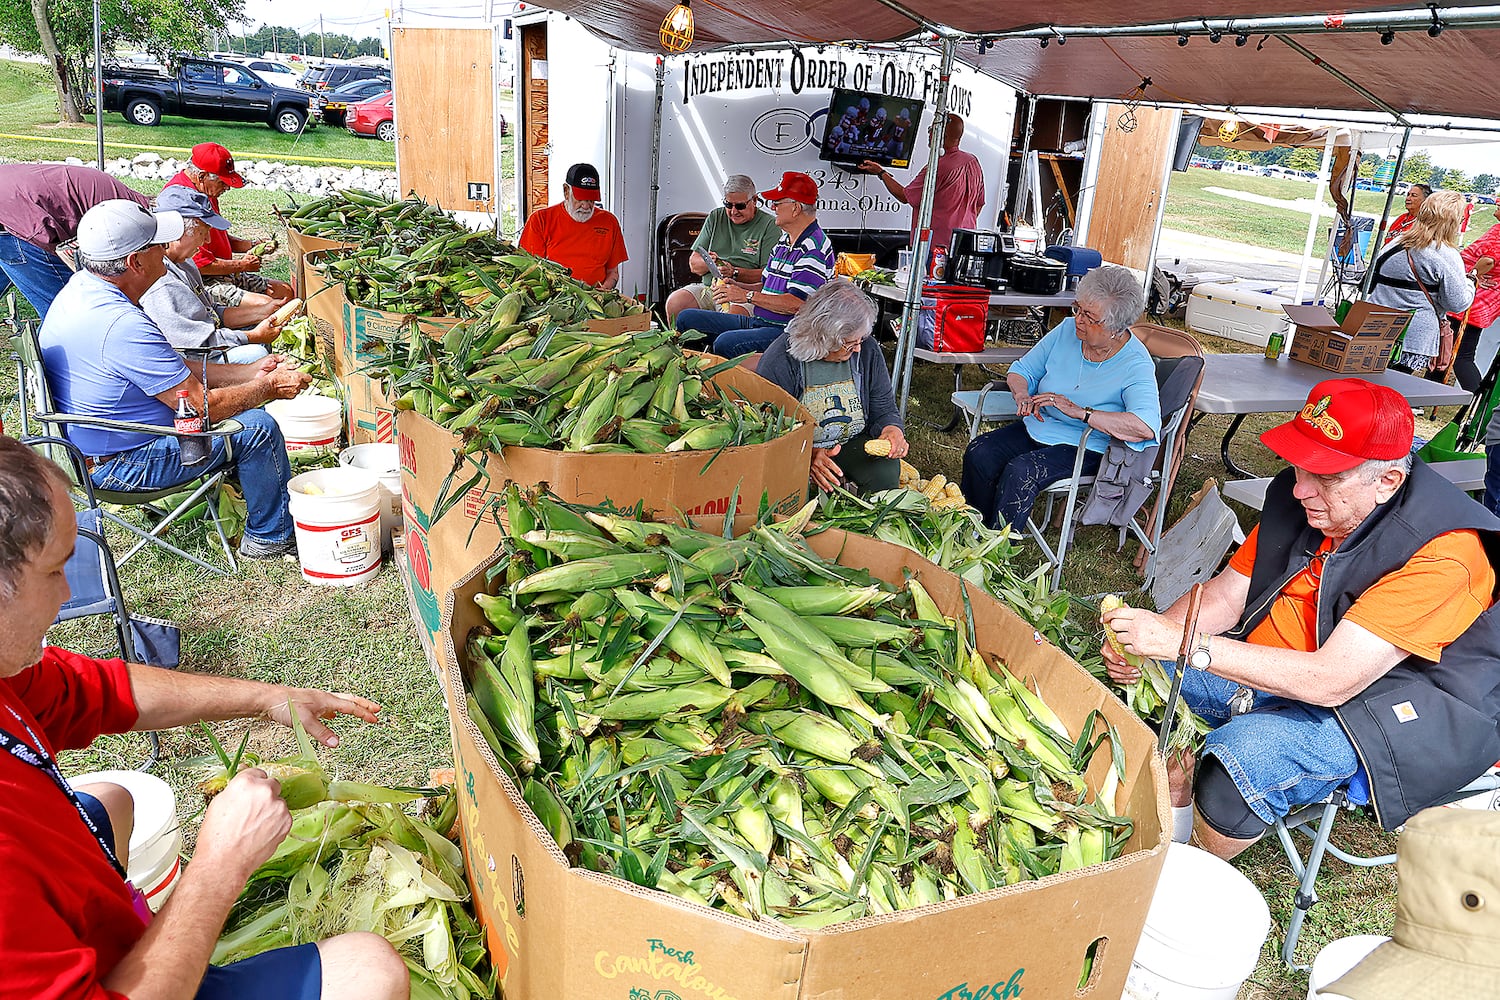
[1129,188]
[445,115]
[534,131]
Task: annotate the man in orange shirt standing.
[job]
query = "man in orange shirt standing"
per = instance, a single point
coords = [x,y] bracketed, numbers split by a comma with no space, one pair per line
[1351,640]
[577,233]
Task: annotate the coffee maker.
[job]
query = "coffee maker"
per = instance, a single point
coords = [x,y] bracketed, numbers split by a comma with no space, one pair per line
[977,258]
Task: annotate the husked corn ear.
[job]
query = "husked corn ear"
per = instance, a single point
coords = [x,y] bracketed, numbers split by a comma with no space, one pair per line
[952,490]
[934,487]
[909,473]
[879,447]
[948,502]
[1110,603]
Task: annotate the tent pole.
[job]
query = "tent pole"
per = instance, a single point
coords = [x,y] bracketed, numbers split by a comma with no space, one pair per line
[661,77]
[922,225]
[1317,214]
[98,87]
[1385,215]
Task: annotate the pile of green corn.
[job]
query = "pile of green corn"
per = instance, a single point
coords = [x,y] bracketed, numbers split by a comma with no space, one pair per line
[955,538]
[354,861]
[411,258]
[501,382]
[752,727]
[355,215]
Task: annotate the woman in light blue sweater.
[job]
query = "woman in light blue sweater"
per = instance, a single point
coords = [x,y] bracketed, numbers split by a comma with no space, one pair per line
[1423,271]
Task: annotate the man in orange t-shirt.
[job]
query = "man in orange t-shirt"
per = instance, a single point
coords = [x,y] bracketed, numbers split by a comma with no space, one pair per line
[577,233]
[1348,640]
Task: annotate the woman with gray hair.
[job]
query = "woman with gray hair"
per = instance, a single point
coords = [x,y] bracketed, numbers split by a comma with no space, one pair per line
[737,237]
[821,360]
[1088,372]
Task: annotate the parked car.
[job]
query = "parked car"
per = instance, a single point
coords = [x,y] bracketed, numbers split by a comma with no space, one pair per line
[336,102]
[332,77]
[273,71]
[373,117]
[206,89]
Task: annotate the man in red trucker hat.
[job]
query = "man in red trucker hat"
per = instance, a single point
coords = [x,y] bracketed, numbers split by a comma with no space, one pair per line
[1350,642]
[210,169]
[577,232]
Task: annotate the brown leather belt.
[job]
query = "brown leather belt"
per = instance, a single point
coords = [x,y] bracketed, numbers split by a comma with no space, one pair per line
[93,463]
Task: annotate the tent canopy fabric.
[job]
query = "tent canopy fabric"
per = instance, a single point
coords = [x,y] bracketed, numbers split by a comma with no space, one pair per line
[1414,74]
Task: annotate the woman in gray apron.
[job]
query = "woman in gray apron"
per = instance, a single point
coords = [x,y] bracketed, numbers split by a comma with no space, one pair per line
[827,359]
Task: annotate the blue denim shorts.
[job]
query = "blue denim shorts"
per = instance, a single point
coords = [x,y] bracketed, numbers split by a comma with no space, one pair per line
[1282,754]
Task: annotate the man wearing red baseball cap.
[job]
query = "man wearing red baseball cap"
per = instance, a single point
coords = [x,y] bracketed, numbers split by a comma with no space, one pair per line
[577,233]
[211,170]
[800,264]
[1349,643]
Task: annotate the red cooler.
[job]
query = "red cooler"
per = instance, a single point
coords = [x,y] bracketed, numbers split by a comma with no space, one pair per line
[953,318]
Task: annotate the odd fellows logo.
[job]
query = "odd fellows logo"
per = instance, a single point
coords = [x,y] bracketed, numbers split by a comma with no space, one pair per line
[1006,990]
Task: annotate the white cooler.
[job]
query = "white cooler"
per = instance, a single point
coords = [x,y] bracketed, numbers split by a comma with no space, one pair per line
[1237,312]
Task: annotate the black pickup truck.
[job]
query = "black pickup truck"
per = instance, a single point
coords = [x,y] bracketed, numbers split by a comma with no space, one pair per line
[208,88]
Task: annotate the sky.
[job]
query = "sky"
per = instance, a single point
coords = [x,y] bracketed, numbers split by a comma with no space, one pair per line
[358,18]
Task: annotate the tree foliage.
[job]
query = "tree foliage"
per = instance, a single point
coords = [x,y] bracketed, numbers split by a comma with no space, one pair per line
[1418,168]
[160,27]
[1306,158]
[277,40]
[1486,183]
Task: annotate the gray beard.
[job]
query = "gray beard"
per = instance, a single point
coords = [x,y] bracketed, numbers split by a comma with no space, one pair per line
[581,211]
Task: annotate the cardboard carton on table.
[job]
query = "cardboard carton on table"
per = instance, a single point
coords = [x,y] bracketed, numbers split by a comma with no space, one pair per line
[1360,345]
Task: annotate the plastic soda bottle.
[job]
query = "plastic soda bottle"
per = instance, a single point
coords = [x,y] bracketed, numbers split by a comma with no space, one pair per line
[194,450]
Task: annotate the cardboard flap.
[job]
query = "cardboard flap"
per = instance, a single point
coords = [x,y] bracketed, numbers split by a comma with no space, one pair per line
[1312,317]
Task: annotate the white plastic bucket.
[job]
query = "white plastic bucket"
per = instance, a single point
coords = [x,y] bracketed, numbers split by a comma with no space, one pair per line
[1028,239]
[155,860]
[384,460]
[308,421]
[338,525]
[1337,958]
[1203,933]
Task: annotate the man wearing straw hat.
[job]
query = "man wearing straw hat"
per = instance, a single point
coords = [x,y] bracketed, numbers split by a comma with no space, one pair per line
[72,925]
[1350,641]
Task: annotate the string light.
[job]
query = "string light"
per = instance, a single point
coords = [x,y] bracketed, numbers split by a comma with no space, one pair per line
[677,28]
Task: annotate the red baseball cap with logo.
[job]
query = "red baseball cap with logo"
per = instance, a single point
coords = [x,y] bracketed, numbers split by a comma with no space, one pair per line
[796,186]
[216,159]
[1346,421]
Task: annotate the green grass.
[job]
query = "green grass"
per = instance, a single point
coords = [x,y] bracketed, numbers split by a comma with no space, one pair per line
[1191,208]
[29,130]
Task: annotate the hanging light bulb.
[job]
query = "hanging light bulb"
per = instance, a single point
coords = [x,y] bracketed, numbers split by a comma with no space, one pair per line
[1229,130]
[677,28]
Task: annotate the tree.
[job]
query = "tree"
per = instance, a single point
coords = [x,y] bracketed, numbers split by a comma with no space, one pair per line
[1438,178]
[62,31]
[1306,158]
[1417,169]
[1457,180]
[1486,183]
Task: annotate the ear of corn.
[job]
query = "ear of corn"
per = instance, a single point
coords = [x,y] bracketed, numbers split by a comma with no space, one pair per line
[878,447]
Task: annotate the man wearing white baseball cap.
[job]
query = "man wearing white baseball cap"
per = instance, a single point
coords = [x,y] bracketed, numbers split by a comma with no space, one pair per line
[106,358]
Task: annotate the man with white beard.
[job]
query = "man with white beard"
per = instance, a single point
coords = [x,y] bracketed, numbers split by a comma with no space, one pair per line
[577,233]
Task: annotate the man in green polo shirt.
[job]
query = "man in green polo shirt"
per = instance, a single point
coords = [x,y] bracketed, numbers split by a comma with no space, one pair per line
[738,236]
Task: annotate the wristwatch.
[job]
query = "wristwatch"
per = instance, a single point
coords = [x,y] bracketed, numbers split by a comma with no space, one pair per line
[748,293]
[1202,655]
[1088,412]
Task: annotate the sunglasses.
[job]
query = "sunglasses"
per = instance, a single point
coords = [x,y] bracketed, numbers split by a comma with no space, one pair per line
[739,206]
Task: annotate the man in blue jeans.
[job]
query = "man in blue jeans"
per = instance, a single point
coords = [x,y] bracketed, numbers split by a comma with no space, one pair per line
[106,358]
[799,265]
[40,205]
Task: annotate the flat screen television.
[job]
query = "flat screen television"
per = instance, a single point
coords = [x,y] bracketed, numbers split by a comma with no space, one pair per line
[863,126]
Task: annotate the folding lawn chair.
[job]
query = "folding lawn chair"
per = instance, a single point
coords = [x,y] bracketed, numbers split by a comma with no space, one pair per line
[1177,378]
[38,417]
[94,583]
[1316,822]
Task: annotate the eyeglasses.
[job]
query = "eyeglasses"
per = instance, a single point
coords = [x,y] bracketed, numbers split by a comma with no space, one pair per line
[1087,316]
[738,206]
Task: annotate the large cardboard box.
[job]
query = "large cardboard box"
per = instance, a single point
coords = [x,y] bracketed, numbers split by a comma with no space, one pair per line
[692,486]
[325,305]
[299,245]
[556,931]
[367,410]
[1360,344]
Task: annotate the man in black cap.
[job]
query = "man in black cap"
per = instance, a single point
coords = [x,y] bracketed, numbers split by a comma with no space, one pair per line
[577,233]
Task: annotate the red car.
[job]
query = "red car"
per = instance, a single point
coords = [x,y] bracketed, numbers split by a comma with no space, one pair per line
[373,117]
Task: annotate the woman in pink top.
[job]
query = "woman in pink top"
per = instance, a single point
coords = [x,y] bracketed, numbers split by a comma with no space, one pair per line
[1479,257]
[958,195]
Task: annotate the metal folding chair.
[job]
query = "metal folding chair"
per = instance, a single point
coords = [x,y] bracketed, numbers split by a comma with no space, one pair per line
[93,576]
[38,417]
[1147,529]
[1316,821]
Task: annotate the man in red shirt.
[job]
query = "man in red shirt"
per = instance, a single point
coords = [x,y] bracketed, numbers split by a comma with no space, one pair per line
[71,926]
[577,233]
[211,170]
[958,194]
